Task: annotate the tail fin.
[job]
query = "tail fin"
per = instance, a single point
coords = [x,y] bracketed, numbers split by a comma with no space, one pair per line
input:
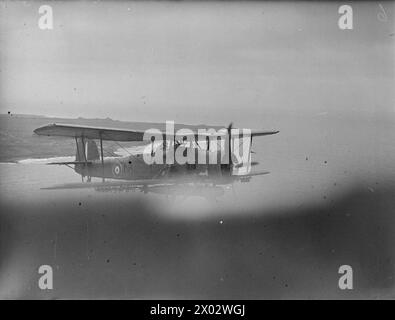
[86,150]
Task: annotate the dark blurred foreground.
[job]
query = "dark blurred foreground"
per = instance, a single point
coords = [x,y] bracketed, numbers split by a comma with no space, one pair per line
[127,248]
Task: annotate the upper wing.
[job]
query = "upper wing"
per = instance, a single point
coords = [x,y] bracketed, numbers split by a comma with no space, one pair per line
[75,131]
[113,134]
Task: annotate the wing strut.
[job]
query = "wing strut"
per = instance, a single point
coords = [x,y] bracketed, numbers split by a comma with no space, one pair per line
[77,156]
[84,149]
[102,157]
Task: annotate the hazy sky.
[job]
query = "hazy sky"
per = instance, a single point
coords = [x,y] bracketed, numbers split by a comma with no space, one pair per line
[196,62]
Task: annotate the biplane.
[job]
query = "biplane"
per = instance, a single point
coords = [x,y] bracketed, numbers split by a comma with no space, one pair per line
[189,158]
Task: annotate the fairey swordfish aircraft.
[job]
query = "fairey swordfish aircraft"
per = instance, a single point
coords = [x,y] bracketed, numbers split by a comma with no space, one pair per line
[194,160]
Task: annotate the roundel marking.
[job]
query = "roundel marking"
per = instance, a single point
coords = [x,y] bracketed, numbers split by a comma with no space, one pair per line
[117,170]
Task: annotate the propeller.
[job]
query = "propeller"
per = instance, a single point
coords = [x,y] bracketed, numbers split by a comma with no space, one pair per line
[152,146]
[230,126]
[231,162]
